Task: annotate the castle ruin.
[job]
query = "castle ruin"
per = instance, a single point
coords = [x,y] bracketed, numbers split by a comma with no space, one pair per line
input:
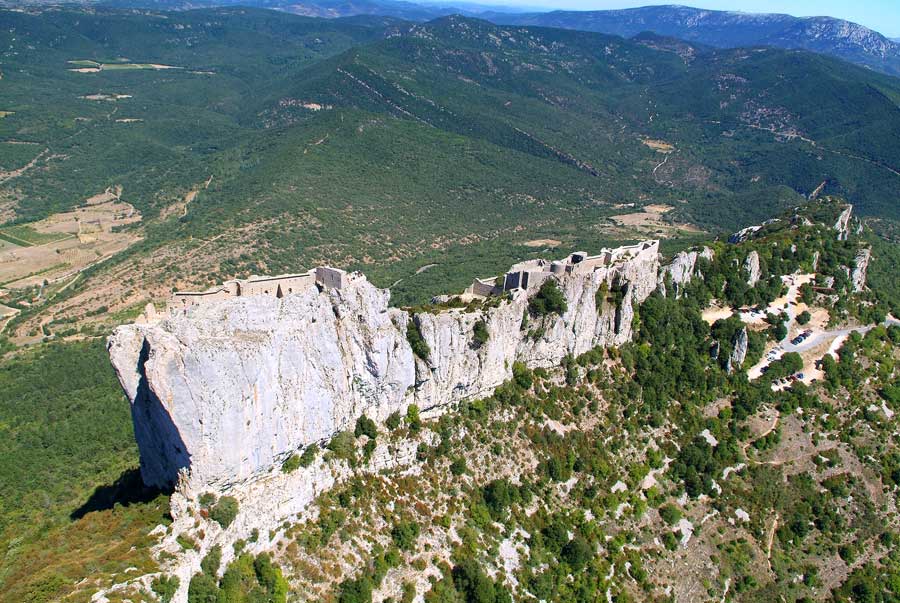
[531,274]
[526,275]
[323,277]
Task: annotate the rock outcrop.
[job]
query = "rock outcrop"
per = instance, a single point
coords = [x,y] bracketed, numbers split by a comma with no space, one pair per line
[226,390]
[682,269]
[751,268]
[739,351]
[860,268]
[743,234]
[842,225]
[231,387]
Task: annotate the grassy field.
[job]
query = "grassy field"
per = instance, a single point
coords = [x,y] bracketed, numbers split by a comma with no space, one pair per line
[26,236]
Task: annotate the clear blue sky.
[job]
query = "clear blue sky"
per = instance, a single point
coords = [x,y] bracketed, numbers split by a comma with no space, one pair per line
[880,15]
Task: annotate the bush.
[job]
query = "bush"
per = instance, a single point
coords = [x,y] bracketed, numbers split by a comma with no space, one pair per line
[404,535]
[416,341]
[343,446]
[522,375]
[670,514]
[458,466]
[548,300]
[670,541]
[356,591]
[207,499]
[412,418]
[394,420]
[210,563]
[165,587]
[475,586]
[498,495]
[577,552]
[203,589]
[309,455]
[291,464]
[224,511]
[480,333]
[365,426]
[268,575]
[804,317]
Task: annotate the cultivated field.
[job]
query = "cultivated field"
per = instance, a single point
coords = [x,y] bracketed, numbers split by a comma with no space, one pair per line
[65,243]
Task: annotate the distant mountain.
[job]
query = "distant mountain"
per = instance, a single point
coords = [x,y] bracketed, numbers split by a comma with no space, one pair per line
[826,35]
[849,41]
[328,9]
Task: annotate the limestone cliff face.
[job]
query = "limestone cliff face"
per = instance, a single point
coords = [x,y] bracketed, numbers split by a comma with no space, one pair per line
[232,387]
[860,268]
[682,269]
[224,392]
[751,268]
[457,369]
[739,351]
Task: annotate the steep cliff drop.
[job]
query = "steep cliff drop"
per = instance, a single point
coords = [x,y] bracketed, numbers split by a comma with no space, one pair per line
[226,390]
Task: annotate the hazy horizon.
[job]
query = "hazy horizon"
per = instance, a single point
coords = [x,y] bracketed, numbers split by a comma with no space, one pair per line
[882,16]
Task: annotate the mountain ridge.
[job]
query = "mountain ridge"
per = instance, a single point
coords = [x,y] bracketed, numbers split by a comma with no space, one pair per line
[838,37]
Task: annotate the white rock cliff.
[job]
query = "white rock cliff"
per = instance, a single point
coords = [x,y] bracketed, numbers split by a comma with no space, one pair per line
[222,393]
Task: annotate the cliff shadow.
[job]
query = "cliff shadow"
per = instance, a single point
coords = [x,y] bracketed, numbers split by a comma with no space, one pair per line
[164,455]
[127,489]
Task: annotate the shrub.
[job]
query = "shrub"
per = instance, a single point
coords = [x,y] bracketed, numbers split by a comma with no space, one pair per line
[670,514]
[475,586]
[498,495]
[670,541]
[548,300]
[458,466]
[577,552]
[404,535]
[210,563]
[268,575]
[291,464]
[207,499]
[416,341]
[309,455]
[555,535]
[356,591]
[165,587]
[365,426]
[480,333]
[394,420]
[203,589]
[186,542]
[804,317]
[522,375]
[343,446]
[412,418]
[225,511]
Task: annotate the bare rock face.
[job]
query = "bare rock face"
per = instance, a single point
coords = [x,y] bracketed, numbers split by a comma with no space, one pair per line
[224,392]
[842,226]
[232,387]
[739,351]
[751,268]
[743,234]
[682,269]
[860,267]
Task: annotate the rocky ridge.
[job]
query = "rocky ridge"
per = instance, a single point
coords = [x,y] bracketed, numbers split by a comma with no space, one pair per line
[228,390]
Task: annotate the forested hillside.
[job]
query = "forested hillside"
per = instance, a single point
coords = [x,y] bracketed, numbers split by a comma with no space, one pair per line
[258,142]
